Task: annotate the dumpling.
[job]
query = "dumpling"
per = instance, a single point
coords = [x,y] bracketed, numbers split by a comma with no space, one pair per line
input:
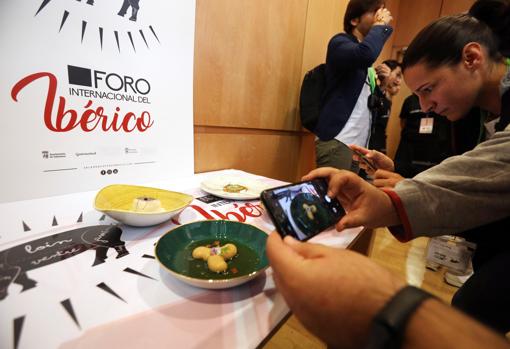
[229,251]
[217,264]
[201,252]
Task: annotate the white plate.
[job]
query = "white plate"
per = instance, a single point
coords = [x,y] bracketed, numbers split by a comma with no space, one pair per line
[216,185]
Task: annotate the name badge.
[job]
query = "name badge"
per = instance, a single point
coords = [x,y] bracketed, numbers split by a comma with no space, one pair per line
[426,125]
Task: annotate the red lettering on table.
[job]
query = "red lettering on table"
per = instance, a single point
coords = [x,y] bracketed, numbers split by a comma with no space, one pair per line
[91,118]
[240,213]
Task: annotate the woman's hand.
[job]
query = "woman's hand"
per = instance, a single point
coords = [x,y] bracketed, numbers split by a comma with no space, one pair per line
[380,160]
[386,179]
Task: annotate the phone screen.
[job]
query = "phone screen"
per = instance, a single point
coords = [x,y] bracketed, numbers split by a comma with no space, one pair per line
[362,158]
[302,210]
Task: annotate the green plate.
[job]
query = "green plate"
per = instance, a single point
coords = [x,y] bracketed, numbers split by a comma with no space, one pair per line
[174,250]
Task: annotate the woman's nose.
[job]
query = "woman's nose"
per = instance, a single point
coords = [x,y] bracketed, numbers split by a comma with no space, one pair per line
[426,105]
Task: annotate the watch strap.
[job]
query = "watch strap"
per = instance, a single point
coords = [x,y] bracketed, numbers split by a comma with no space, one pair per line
[389,325]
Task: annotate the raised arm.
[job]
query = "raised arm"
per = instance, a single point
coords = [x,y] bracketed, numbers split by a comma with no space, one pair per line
[343,52]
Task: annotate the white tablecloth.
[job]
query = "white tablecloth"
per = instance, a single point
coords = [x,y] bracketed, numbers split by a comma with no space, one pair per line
[131,302]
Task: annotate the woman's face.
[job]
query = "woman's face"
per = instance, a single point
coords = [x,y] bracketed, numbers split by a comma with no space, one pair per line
[450,91]
[394,81]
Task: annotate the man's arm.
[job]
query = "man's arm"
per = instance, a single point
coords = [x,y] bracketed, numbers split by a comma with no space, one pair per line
[436,325]
[336,293]
[345,53]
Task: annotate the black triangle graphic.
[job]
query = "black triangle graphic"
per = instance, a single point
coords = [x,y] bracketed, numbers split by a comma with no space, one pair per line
[129,270]
[148,256]
[64,19]
[80,219]
[43,5]
[102,218]
[55,223]
[83,28]
[101,37]
[117,38]
[69,308]
[143,37]
[154,33]
[18,327]
[131,39]
[105,288]
[26,227]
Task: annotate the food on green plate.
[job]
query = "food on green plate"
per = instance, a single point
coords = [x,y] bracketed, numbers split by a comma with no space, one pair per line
[215,255]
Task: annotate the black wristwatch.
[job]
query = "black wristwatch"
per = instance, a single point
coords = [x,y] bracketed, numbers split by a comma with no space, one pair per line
[389,325]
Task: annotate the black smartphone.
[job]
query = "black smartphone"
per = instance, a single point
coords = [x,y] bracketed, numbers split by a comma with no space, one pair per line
[363,158]
[302,210]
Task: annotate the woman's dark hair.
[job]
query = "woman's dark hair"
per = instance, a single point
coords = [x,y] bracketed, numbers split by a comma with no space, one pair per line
[496,14]
[356,9]
[442,41]
[392,64]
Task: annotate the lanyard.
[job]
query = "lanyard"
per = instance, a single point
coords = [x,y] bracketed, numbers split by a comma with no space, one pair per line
[371,79]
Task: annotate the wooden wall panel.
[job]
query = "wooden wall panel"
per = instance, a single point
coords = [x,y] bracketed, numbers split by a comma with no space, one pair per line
[272,154]
[324,19]
[248,57]
[451,7]
[386,53]
[413,16]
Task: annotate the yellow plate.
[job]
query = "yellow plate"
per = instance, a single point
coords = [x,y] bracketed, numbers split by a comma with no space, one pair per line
[140,206]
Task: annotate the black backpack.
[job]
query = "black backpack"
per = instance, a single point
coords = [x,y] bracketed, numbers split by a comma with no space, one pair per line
[310,98]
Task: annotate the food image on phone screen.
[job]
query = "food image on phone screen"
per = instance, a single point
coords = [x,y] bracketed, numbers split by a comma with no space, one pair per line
[302,210]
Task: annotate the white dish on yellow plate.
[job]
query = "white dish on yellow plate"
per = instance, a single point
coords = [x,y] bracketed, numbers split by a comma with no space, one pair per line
[234,187]
[140,206]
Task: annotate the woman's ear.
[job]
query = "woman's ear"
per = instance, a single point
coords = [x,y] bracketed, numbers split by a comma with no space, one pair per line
[473,56]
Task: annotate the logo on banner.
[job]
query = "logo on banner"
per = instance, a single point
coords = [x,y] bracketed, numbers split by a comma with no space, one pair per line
[114,86]
[129,9]
[47,155]
[90,117]
[95,86]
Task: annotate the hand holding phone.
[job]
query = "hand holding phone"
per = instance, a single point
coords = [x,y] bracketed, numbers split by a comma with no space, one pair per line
[302,210]
[362,158]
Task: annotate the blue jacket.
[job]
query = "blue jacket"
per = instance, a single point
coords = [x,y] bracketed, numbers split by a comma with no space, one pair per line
[347,62]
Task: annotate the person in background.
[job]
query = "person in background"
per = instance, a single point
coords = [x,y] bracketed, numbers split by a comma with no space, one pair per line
[389,75]
[325,286]
[345,117]
[425,139]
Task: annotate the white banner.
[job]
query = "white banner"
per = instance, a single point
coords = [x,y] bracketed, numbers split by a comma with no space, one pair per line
[94,92]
